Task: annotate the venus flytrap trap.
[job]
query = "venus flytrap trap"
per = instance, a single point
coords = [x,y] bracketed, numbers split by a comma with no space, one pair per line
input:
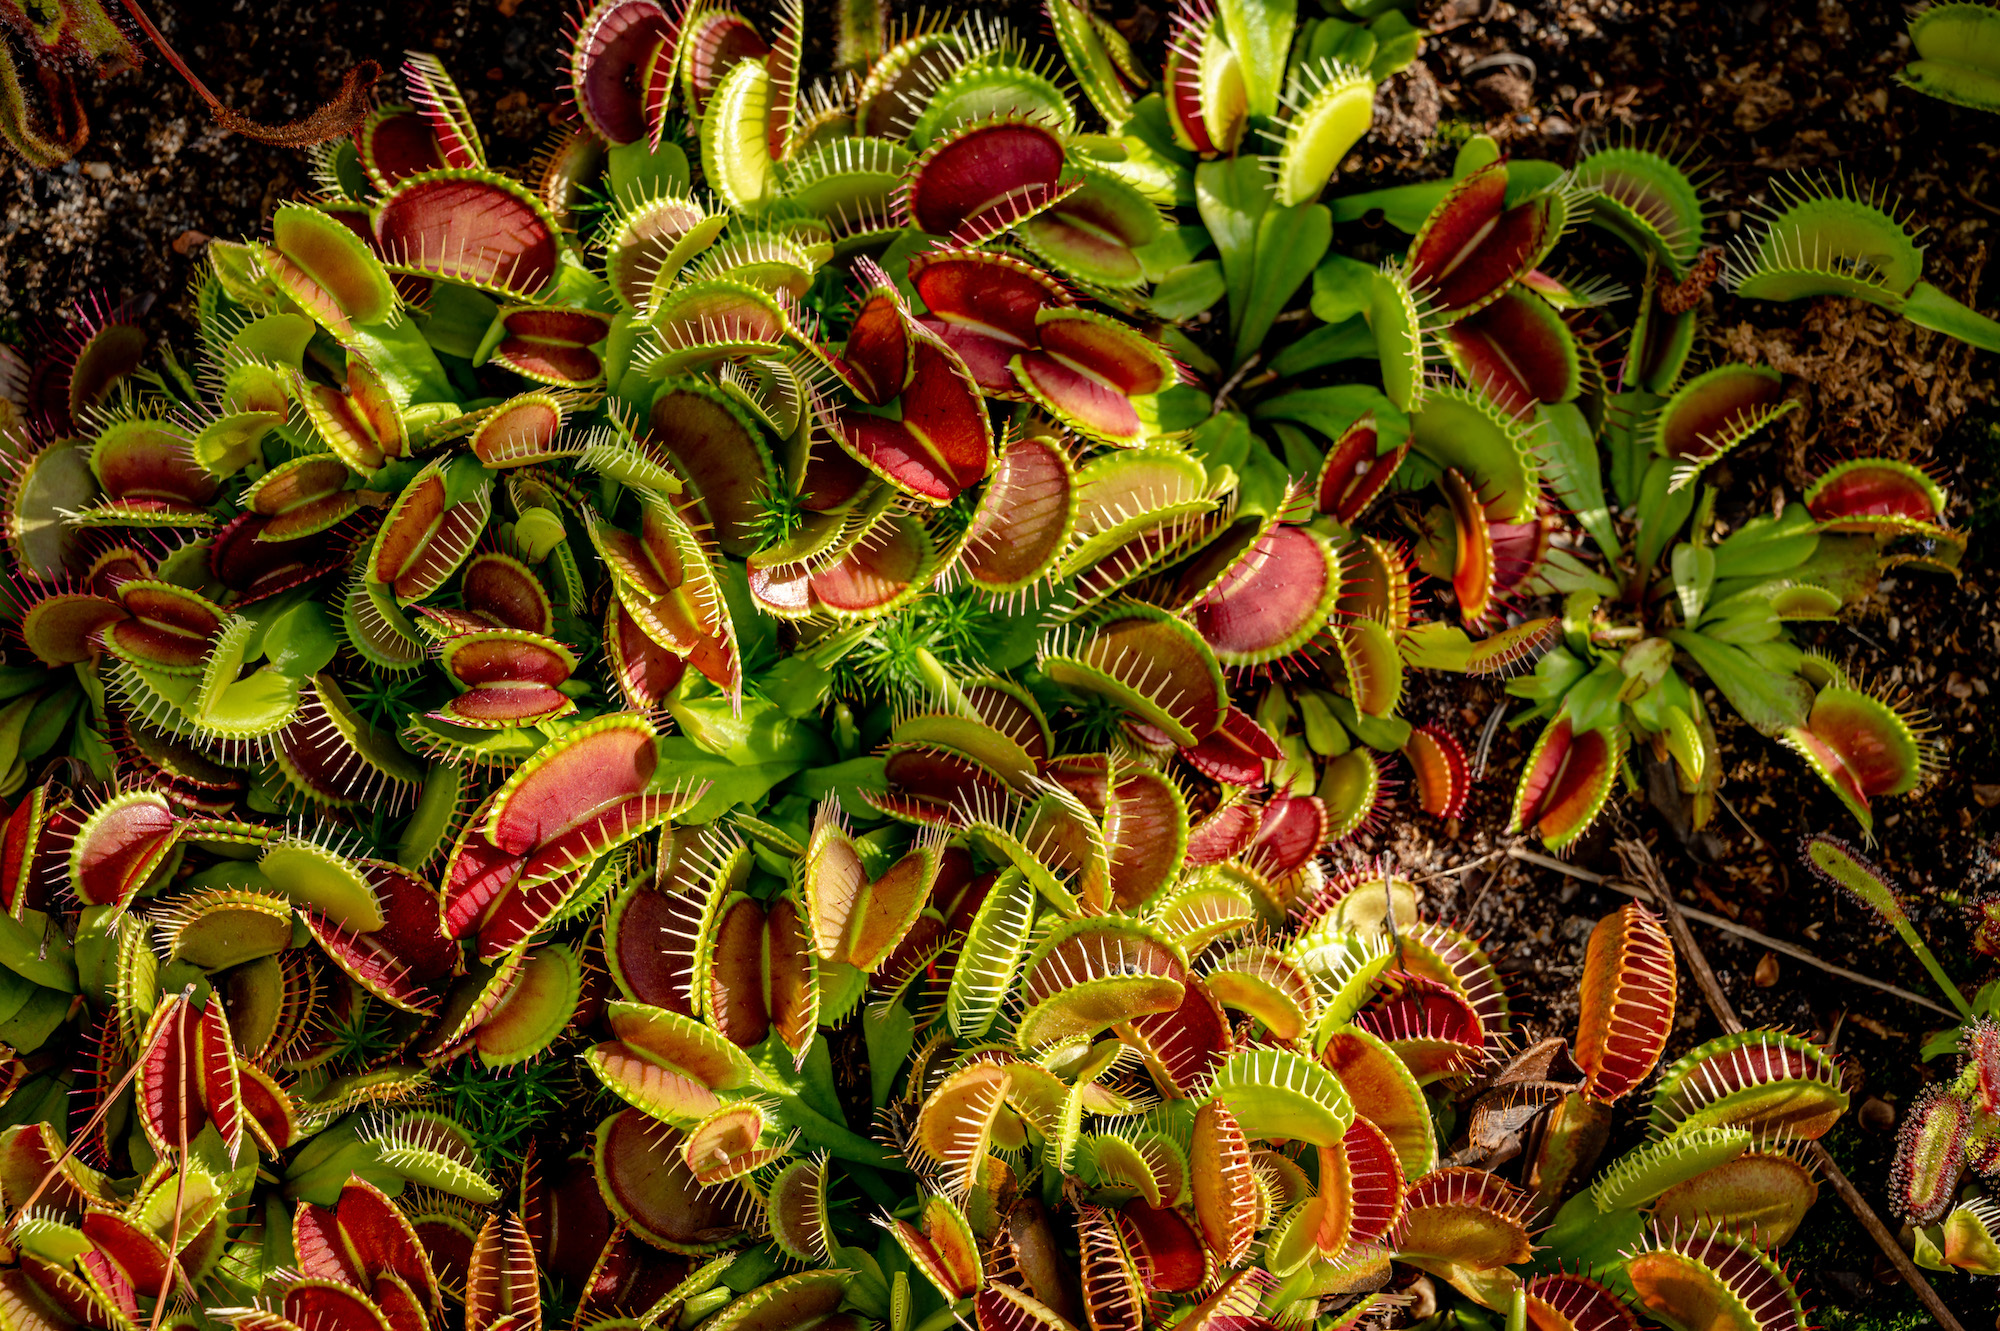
[1836,237]
[1957,54]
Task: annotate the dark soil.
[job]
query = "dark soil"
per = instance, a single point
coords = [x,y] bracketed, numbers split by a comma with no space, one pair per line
[1758,88]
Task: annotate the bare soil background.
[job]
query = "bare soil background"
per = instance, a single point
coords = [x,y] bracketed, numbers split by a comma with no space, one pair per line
[1758,88]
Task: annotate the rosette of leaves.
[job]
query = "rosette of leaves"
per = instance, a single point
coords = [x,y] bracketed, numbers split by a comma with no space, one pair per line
[966,220]
[1506,429]
[1246,232]
[1525,415]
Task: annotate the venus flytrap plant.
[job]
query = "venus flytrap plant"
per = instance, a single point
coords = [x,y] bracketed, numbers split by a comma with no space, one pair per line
[1268,234]
[826,617]
[1157,1162]
[1694,1212]
[1527,410]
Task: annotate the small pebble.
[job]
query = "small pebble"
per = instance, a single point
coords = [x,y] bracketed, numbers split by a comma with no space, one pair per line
[1876,1114]
[1767,970]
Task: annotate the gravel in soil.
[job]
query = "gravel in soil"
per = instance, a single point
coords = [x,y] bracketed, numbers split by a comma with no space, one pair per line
[1757,89]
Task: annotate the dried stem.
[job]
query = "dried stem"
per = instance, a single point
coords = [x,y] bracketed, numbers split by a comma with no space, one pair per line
[1222,395]
[1730,926]
[1639,862]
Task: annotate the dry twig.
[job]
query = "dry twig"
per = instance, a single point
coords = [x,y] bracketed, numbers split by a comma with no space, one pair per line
[1730,926]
